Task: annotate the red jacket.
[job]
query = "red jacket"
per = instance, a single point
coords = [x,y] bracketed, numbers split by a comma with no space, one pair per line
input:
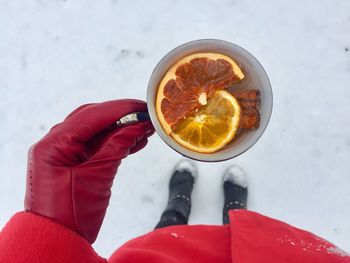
[251,238]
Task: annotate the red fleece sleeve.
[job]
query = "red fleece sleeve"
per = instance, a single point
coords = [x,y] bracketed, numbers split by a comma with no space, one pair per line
[29,238]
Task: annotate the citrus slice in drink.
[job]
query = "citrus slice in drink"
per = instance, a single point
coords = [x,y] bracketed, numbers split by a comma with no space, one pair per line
[190,82]
[210,127]
[185,99]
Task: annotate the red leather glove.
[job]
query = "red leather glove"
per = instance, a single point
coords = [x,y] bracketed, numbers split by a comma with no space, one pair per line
[71,170]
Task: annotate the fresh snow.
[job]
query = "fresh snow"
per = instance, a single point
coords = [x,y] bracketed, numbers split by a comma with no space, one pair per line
[187,165]
[236,175]
[56,55]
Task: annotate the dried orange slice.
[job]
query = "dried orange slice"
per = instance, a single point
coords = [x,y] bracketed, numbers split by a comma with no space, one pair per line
[211,127]
[190,82]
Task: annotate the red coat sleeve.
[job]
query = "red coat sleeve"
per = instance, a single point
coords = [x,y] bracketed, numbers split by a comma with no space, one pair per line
[29,238]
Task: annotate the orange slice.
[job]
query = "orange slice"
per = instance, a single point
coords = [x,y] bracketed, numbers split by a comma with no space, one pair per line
[211,127]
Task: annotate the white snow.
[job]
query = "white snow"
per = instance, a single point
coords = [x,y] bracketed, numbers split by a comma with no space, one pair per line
[322,246]
[236,175]
[56,55]
[174,235]
[337,251]
[187,165]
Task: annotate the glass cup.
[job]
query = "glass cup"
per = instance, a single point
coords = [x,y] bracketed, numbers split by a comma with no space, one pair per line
[256,78]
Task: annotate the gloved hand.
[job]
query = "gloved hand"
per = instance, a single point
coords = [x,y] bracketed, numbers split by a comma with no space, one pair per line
[71,170]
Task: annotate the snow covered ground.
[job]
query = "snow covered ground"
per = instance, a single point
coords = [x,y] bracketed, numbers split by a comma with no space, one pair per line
[58,54]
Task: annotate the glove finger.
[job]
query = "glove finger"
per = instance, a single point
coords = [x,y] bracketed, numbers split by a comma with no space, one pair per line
[118,144]
[84,123]
[147,126]
[151,132]
[139,146]
[93,145]
[77,110]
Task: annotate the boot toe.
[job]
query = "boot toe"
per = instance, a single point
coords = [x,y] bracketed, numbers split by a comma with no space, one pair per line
[186,165]
[235,175]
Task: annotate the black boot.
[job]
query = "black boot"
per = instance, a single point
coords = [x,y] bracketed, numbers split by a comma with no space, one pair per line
[181,184]
[235,191]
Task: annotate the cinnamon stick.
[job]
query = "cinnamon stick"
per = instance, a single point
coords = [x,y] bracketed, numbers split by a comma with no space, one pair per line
[249,101]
